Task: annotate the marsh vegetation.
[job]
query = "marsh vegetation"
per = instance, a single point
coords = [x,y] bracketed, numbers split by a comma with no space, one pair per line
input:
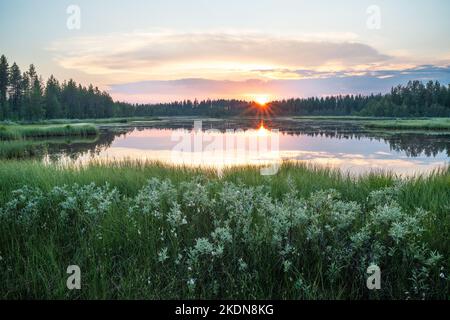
[145,230]
[17,132]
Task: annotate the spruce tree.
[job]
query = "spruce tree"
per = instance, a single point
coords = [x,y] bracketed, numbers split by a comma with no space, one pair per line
[15,90]
[52,98]
[4,74]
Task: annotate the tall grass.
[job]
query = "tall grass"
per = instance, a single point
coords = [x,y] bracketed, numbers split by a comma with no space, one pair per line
[145,230]
[39,131]
[7,134]
[421,124]
[82,121]
[338,118]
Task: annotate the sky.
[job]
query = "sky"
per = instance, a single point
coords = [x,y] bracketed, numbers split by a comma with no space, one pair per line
[159,51]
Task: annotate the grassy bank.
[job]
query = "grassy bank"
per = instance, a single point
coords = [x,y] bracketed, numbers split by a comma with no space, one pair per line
[82,121]
[15,132]
[144,230]
[386,123]
[339,118]
[419,124]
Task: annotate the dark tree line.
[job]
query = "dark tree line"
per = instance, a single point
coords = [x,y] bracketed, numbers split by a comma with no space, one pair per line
[412,100]
[25,96]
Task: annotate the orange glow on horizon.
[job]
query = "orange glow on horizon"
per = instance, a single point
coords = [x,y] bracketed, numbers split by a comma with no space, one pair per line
[261,99]
[261,104]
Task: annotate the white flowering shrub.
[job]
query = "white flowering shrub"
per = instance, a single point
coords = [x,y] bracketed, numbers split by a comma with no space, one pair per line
[154,199]
[385,195]
[392,239]
[195,195]
[216,239]
[25,206]
[245,210]
[86,204]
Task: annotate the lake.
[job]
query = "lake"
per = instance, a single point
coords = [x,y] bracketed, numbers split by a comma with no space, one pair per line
[220,143]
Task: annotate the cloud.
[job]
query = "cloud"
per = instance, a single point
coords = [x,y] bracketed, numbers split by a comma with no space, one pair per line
[165,65]
[370,82]
[216,55]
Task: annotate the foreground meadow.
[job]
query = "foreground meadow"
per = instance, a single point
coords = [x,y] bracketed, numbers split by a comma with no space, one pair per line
[145,230]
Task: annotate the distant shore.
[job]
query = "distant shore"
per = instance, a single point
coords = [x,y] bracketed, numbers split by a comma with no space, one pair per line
[369,122]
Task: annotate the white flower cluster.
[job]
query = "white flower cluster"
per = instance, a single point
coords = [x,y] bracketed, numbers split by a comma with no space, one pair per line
[88,203]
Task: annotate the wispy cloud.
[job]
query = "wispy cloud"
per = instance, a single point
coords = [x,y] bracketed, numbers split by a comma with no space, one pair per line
[370,82]
[165,65]
[216,55]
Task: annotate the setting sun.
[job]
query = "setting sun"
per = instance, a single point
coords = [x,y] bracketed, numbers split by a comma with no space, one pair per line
[262,100]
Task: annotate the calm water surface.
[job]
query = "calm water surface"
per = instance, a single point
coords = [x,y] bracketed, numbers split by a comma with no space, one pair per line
[218,144]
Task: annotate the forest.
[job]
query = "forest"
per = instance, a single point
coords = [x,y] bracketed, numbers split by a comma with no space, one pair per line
[25,96]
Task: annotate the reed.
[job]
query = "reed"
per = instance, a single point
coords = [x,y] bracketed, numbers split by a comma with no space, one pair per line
[14,132]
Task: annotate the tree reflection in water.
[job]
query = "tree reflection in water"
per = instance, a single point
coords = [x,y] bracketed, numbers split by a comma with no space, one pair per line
[413,144]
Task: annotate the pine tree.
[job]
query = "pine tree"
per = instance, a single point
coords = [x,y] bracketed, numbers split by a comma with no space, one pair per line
[4,74]
[52,99]
[36,99]
[32,105]
[70,98]
[15,90]
[25,101]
